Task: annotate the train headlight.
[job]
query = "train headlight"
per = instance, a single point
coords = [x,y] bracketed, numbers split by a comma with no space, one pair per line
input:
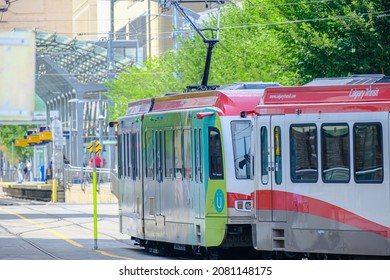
[243,205]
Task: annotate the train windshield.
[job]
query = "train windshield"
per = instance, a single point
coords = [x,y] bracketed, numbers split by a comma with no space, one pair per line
[241,136]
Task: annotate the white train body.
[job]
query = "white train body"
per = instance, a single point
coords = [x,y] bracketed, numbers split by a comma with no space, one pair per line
[321,170]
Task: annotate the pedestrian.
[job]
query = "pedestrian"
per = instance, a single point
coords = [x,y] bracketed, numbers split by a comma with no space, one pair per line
[98,161]
[49,173]
[28,171]
[20,172]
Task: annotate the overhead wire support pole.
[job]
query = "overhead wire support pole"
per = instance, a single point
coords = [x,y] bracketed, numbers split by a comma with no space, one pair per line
[94,198]
[209,41]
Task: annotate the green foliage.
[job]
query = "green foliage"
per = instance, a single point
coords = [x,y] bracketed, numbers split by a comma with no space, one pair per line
[249,50]
[337,38]
[285,41]
[8,133]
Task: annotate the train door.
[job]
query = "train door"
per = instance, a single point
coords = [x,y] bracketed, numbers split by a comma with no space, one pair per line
[135,176]
[198,170]
[270,194]
[153,158]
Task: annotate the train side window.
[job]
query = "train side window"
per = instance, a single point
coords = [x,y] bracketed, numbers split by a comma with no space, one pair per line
[187,153]
[124,150]
[196,156]
[278,155]
[200,156]
[127,155]
[120,158]
[134,150]
[139,149]
[368,152]
[158,156]
[264,154]
[241,137]
[215,154]
[178,154]
[198,169]
[335,153]
[168,135]
[303,153]
[149,156]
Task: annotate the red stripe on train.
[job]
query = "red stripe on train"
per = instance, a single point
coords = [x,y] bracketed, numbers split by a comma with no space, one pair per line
[232,197]
[279,200]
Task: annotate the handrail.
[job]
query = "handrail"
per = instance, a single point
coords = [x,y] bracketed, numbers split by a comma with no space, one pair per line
[75,175]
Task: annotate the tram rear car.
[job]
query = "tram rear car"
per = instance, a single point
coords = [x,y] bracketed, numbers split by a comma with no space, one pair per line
[321,171]
[185,177]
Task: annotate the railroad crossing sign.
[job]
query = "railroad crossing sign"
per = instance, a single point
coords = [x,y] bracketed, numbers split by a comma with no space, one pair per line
[98,147]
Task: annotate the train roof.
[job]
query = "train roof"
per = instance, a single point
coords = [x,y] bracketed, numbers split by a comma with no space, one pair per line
[249,85]
[227,102]
[139,107]
[354,79]
[325,98]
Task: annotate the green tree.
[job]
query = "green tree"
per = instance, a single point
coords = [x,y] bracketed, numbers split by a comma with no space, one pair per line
[249,49]
[337,38]
[8,134]
[154,78]
[290,42]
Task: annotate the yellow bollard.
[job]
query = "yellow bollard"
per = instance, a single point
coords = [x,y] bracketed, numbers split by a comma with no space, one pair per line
[54,192]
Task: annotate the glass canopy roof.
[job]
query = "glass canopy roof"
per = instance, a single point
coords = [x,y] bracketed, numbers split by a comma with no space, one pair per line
[65,64]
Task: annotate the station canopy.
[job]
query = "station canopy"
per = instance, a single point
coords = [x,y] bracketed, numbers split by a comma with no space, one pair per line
[68,66]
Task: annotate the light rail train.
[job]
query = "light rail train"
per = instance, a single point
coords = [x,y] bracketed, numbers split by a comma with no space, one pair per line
[292,172]
[184,179]
[322,170]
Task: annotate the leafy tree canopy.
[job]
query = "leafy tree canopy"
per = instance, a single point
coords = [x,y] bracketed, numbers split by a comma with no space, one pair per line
[8,133]
[285,41]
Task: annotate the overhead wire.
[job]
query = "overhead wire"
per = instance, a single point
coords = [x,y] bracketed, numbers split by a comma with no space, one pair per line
[136,33]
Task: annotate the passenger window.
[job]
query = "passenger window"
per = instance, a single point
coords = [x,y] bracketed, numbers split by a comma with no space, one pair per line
[241,137]
[127,159]
[335,153]
[303,153]
[215,154]
[178,154]
[187,153]
[200,156]
[158,156]
[149,155]
[264,154]
[168,135]
[120,158]
[278,155]
[368,152]
[134,159]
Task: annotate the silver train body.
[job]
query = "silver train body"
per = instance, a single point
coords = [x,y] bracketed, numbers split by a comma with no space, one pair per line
[184,179]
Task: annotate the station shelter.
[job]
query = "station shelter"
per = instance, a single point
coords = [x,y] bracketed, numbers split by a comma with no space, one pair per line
[70,85]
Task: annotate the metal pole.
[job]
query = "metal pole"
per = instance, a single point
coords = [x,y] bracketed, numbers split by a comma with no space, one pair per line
[110,74]
[100,119]
[12,156]
[94,183]
[110,66]
[149,31]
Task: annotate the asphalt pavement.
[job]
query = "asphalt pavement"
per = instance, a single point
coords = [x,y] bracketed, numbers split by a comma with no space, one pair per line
[33,230]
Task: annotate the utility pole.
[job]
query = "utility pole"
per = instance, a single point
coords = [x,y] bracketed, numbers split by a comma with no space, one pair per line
[110,76]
